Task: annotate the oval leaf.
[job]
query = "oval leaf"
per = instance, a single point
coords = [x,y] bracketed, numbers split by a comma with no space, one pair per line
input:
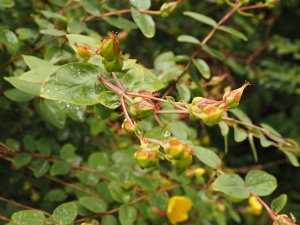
[144,22]
[260,183]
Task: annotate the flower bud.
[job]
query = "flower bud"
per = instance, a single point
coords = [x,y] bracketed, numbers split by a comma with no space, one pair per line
[232,98]
[146,157]
[110,48]
[185,161]
[175,149]
[167,8]
[283,219]
[141,108]
[128,127]
[115,65]
[83,51]
[212,115]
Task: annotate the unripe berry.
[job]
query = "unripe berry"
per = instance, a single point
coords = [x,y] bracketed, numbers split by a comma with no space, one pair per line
[146,157]
[167,8]
[128,127]
[212,115]
[232,98]
[175,149]
[185,161]
[141,108]
[110,48]
[83,51]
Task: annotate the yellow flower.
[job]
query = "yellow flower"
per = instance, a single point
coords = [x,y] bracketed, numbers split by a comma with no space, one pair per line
[199,172]
[255,206]
[178,208]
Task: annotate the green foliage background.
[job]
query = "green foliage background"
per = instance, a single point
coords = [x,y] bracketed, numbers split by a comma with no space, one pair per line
[91,136]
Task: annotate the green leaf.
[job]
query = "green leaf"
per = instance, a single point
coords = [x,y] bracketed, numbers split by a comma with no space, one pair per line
[67,153]
[232,185]
[28,217]
[38,75]
[76,27]
[65,213]
[18,96]
[56,195]
[44,146]
[93,204]
[201,18]
[22,159]
[273,133]
[127,215]
[93,43]
[144,4]
[109,220]
[53,15]
[233,32]
[264,142]
[75,83]
[292,158]
[207,157]
[91,6]
[260,183]
[252,145]
[241,116]
[7,3]
[53,32]
[179,130]
[59,168]
[151,82]
[118,193]
[144,22]
[224,128]
[239,134]
[183,91]
[25,86]
[188,39]
[75,112]
[109,99]
[35,63]
[133,78]
[9,39]
[224,131]
[279,203]
[40,167]
[120,22]
[52,113]
[202,67]
[98,161]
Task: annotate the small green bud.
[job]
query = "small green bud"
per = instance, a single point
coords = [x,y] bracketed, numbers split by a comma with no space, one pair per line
[146,157]
[128,127]
[113,66]
[110,48]
[83,51]
[167,8]
[272,3]
[141,108]
[175,149]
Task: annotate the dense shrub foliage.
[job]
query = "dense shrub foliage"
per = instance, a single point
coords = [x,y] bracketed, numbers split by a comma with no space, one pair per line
[149,112]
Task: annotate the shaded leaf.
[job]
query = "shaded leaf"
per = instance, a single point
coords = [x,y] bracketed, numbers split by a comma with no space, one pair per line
[144,22]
